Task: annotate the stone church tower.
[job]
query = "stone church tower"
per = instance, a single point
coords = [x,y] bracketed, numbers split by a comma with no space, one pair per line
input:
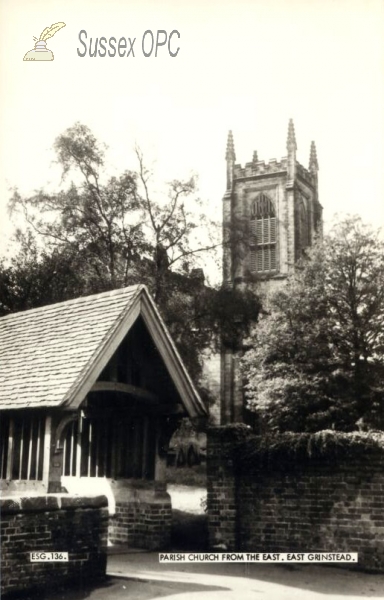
[271,213]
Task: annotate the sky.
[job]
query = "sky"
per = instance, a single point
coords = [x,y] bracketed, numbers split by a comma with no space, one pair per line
[241,65]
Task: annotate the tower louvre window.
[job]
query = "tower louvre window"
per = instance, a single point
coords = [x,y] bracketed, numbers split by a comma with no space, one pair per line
[263,236]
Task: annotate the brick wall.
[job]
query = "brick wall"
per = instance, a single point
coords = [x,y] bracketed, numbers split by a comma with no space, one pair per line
[142,519]
[140,510]
[52,523]
[318,506]
[221,491]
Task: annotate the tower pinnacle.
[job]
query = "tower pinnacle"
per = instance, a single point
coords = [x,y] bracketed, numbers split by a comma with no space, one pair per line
[291,140]
[313,164]
[230,154]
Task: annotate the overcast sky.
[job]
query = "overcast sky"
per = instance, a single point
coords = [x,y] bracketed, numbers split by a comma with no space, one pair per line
[245,66]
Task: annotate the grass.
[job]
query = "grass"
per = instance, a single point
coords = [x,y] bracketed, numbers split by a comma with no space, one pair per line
[194,476]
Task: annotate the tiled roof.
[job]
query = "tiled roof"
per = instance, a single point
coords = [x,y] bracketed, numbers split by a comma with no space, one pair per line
[52,355]
[45,352]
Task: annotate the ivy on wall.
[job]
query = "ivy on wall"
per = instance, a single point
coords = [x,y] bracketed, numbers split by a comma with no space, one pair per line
[290,450]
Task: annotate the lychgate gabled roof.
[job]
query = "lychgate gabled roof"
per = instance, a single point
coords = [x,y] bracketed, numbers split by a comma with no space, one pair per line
[51,356]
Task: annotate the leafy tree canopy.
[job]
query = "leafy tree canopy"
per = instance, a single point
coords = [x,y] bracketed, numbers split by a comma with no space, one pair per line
[100,232]
[316,361]
[120,225]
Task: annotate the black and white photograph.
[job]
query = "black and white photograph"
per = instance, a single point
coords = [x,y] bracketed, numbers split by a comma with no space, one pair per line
[192,299]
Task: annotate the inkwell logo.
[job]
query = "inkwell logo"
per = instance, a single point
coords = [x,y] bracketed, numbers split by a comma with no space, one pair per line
[40,51]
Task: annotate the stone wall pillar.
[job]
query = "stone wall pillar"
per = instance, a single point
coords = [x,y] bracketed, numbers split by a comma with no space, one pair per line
[221,492]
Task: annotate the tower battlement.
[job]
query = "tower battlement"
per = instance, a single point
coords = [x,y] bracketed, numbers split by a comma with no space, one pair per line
[252,169]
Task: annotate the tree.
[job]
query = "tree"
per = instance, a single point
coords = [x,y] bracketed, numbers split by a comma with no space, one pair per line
[316,360]
[120,225]
[97,217]
[33,277]
[170,225]
[100,232]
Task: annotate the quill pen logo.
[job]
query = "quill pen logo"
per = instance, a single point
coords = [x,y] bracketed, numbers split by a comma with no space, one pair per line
[40,51]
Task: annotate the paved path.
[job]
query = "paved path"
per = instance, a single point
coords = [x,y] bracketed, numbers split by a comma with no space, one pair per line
[187,498]
[246,582]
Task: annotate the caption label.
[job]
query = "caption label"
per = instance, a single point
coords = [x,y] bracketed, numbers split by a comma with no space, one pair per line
[261,557]
[49,556]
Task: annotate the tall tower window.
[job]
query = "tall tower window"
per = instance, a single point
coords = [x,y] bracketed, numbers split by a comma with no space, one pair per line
[263,236]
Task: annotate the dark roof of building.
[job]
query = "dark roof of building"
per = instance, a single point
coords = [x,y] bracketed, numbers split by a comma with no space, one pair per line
[51,356]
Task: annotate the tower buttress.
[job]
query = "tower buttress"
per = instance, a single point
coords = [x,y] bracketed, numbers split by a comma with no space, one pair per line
[291,149]
[313,164]
[314,168]
[230,158]
[288,254]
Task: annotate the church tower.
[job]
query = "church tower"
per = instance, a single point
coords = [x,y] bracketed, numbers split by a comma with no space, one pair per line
[271,214]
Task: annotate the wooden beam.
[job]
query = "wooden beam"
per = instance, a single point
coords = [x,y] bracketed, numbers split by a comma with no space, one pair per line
[38,448]
[123,414]
[169,409]
[160,460]
[72,471]
[78,445]
[61,426]
[125,388]
[11,448]
[21,449]
[30,450]
[47,449]
[145,446]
